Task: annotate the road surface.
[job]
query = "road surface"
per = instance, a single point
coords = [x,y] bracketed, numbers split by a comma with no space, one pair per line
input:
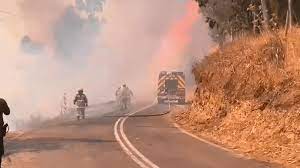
[113,139]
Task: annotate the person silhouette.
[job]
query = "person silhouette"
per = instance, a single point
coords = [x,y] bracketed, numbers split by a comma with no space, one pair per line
[4,109]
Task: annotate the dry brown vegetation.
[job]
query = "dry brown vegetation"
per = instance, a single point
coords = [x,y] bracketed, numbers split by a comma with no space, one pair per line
[248,98]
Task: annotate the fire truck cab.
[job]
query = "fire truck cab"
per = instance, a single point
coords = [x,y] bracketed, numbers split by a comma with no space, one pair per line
[171,87]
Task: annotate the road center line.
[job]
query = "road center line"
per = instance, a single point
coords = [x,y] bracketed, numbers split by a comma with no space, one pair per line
[125,149]
[146,160]
[127,146]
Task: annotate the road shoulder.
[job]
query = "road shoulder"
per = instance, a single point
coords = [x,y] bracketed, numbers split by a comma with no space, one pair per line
[160,141]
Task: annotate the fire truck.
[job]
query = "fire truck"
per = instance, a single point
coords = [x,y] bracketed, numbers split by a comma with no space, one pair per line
[171,87]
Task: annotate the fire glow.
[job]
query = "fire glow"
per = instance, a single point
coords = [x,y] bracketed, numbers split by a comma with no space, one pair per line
[177,39]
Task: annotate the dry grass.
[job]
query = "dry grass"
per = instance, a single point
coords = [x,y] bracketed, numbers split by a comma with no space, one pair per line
[248,97]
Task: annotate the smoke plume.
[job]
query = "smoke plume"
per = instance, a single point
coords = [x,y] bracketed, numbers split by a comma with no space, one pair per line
[96,45]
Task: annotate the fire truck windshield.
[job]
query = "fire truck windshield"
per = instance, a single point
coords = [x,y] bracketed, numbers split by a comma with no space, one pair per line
[171,85]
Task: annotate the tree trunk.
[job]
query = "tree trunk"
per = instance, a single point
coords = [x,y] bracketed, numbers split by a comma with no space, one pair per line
[290,13]
[264,9]
[255,21]
[287,23]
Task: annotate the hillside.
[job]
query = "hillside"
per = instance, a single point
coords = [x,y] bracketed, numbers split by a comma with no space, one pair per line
[248,98]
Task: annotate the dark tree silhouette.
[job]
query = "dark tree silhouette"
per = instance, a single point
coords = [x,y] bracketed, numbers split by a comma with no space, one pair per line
[229,19]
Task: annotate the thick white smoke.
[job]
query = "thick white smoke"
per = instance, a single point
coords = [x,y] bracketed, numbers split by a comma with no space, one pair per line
[97,51]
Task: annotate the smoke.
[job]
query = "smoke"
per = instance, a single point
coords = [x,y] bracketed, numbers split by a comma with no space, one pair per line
[70,31]
[182,45]
[95,45]
[172,54]
[38,18]
[175,42]
[29,46]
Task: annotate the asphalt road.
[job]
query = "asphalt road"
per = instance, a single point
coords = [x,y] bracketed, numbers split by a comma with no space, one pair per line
[112,139]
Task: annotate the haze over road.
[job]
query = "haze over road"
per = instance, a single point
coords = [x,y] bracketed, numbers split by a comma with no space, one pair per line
[110,139]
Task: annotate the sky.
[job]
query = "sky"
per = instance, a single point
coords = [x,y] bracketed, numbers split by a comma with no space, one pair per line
[52,47]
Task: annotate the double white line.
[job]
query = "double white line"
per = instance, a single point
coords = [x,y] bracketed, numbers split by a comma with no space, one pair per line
[127,146]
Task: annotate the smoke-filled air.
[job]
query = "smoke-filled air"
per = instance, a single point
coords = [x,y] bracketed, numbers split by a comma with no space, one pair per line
[52,47]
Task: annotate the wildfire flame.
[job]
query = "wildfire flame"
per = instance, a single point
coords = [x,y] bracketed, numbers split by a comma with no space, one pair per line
[174,44]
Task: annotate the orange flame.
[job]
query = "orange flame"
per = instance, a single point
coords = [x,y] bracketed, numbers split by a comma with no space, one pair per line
[174,44]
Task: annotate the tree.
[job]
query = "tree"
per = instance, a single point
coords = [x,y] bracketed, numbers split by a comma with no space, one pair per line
[229,19]
[290,13]
[265,13]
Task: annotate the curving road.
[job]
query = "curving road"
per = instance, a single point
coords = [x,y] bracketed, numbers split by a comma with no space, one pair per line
[144,137]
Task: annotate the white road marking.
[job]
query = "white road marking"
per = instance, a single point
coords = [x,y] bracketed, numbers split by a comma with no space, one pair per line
[125,149]
[128,147]
[133,148]
[205,141]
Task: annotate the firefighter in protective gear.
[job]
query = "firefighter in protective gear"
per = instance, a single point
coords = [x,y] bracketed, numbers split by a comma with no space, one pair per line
[117,94]
[81,102]
[4,109]
[125,96]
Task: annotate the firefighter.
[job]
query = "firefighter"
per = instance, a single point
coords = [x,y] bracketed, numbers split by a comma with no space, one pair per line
[4,109]
[82,102]
[126,95]
[117,94]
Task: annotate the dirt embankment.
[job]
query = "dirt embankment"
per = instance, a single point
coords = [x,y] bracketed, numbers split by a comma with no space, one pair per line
[248,98]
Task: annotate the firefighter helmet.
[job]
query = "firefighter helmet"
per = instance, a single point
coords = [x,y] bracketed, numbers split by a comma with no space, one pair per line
[80,90]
